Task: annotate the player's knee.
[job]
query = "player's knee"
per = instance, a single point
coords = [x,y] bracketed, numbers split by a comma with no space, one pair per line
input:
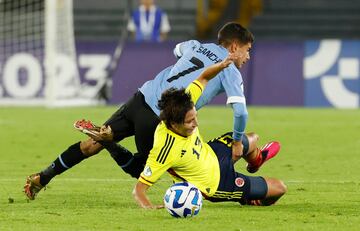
[252,140]
[281,187]
[253,137]
[90,148]
[276,188]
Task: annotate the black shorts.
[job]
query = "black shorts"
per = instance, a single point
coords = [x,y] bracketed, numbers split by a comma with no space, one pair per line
[135,117]
[234,186]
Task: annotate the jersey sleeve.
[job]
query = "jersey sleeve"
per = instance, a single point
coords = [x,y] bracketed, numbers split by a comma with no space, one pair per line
[233,85]
[160,158]
[240,120]
[195,89]
[181,48]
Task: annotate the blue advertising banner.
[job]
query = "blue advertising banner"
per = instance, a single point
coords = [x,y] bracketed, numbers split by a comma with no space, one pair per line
[331,73]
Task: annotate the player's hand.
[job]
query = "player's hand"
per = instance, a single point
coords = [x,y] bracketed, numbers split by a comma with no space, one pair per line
[106,133]
[237,150]
[229,59]
[154,207]
[159,206]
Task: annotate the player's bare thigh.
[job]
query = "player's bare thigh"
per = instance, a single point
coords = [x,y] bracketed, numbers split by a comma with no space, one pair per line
[90,147]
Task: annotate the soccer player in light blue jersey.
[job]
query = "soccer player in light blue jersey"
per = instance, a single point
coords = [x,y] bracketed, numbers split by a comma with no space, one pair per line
[193,58]
[139,116]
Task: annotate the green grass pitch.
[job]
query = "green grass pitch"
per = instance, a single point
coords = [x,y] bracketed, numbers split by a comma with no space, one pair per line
[319,161]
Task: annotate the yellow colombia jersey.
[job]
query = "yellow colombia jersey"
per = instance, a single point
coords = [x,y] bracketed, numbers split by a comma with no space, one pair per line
[185,158]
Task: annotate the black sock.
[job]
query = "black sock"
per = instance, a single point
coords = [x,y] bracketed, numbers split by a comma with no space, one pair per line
[135,166]
[66,160]
[120,154]
[131,164]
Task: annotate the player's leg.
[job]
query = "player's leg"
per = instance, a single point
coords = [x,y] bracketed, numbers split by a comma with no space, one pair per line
[251,153]
[82,150]
[276,189]
[144,139]
[235,186]
[249,142]
[66,160]
[121,127]
[226,189]
[122,124]
[116,128]
[264,191]
[145,122]
[135,118]
[251,139]
[69,158]
[232,186]
[257,157]
[247,190]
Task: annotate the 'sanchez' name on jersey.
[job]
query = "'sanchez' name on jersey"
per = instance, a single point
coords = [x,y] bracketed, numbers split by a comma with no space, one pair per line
[208,53]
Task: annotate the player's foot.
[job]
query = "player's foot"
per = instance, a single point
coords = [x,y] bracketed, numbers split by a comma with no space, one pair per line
[97,133]
[32,186]
[86,126]
[267,152]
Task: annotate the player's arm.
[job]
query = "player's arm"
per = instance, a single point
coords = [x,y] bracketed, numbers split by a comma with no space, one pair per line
[147,178]
[211,71]
[240,120]
[197,86]
[154,168]
[233,85]
[141,198]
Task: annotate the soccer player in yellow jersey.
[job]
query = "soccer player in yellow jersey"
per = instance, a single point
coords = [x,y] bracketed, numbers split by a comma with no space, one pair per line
[180,150]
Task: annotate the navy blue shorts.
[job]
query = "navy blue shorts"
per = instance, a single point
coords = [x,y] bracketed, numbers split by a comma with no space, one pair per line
[135,117]
[233,185]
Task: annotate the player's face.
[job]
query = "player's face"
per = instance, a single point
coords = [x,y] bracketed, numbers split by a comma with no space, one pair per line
[190,123]
[243,51]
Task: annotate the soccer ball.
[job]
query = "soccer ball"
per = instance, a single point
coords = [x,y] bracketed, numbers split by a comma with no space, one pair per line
[183,200]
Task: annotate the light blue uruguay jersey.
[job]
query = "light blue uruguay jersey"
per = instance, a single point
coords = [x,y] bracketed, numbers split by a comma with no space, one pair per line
[193,58]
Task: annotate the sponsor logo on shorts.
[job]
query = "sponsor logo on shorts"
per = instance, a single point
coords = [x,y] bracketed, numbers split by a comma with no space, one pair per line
[239,182]
[147,171]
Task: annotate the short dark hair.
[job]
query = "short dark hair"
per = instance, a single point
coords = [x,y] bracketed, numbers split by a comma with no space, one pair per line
[174,104]
[234,31]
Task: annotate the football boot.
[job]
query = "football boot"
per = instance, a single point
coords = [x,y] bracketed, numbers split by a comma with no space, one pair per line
[267,152]
[32,186]
[97,133]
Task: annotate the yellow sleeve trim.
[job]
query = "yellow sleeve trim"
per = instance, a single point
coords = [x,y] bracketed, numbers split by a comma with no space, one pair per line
[195,89]
[143,180]
[197,83]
